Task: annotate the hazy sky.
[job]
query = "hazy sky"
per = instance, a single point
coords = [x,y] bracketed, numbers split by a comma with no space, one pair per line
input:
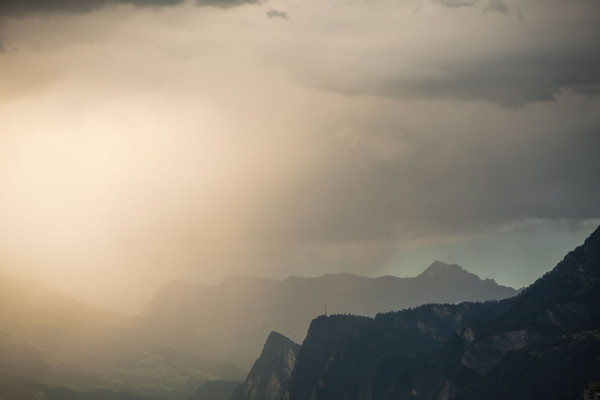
[145,141]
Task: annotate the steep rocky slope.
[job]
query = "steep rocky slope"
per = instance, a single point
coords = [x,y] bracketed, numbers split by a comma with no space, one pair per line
[271,372]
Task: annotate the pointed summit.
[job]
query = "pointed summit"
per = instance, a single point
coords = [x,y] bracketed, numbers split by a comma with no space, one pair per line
[439,267]
[278,343]
[451,283]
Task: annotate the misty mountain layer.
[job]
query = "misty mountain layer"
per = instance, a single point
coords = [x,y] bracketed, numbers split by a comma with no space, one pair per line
[51,339]
[232,319]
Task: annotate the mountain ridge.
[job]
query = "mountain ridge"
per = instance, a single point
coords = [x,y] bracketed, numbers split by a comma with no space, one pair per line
[257,306]
[434,268]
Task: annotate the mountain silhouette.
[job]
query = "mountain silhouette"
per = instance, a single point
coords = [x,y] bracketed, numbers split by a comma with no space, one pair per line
[232,319]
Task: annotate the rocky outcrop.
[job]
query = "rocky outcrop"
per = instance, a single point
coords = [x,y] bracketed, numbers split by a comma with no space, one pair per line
[271,372]
[484,354]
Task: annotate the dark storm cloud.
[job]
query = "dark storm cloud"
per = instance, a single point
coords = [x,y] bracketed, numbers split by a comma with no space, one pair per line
[225,3]
[18,8]
[510,80]
[493,5]
[497,51]
[456,3]
[21,8]
[277,14]
[24,8]
[497,6]
[2,47]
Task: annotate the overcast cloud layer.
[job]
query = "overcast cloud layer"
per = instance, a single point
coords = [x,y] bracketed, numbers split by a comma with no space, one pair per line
[170,141]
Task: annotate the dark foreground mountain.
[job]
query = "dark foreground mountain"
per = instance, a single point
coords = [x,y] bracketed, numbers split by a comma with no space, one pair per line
[55,342]
[555,367]
[542,344]
[232,319]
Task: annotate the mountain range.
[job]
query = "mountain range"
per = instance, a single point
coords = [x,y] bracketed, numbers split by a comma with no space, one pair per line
[542,344]
[56,347]
[233,318]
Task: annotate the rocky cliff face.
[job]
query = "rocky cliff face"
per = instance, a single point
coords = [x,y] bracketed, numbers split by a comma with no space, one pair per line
[484,354]
[271,372]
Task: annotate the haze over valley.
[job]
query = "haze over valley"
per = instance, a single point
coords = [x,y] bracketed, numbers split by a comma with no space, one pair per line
[189,339]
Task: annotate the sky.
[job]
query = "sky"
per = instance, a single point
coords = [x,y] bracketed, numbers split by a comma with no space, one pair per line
[149,141]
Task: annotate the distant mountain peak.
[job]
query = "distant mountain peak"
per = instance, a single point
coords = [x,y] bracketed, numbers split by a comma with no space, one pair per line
[440,267]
